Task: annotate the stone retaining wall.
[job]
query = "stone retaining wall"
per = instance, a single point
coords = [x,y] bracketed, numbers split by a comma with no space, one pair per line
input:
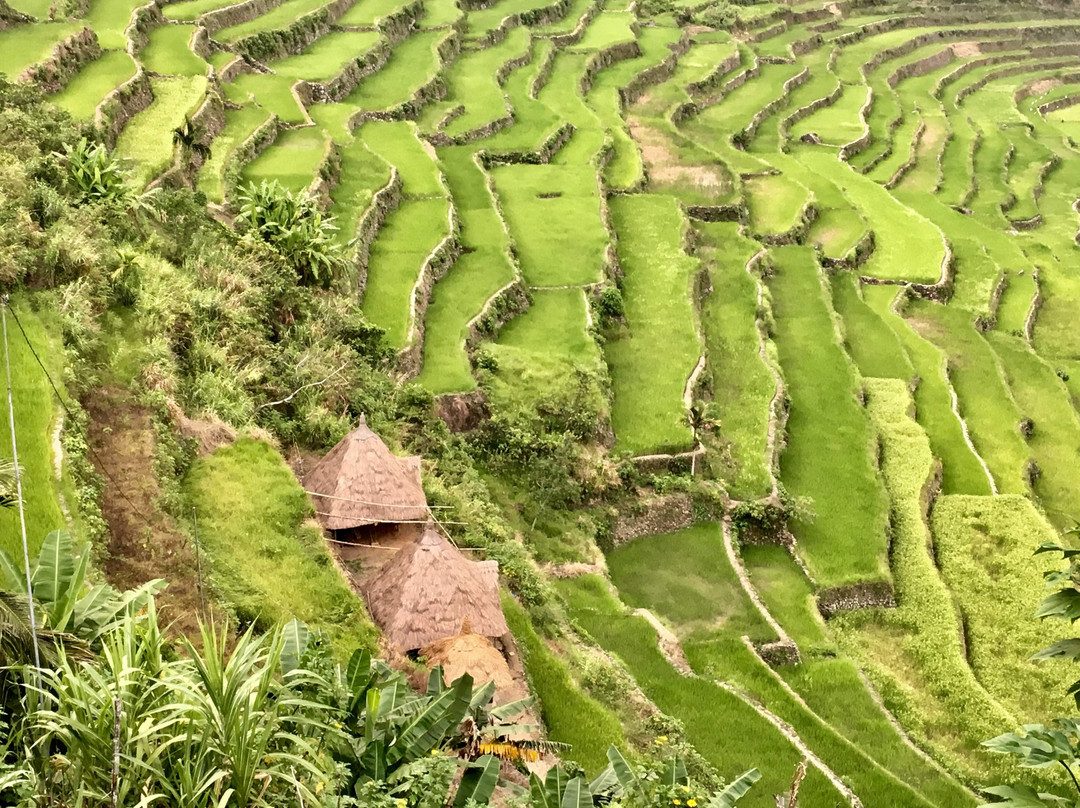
[247,151]
[208,121]
[856,256]
[143,20]
[463,412]
[662,514]
[121,105]
[713,79]
[605,58]
[9,17]
[743,138]
[1061,103]
[266,46]
[214,21]
[654,75]
[561,41]
[68,58]
[797,233]
[870,595]
[410,359]
[533,17]
[383,203]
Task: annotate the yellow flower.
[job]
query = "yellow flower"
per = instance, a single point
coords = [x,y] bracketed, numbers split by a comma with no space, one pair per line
[686,789]
[676,802]
[319,787]
[267,760]
[402,803]
[660,739]
[692,802]
[434,751]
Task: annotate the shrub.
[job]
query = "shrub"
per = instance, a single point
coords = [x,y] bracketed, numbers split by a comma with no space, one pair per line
[295,227]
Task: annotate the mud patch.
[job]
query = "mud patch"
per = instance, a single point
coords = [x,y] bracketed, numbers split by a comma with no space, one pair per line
[965,50]
[144,542]
[1044,85]
[664,168]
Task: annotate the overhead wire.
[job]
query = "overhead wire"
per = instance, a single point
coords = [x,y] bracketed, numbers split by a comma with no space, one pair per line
[18,494]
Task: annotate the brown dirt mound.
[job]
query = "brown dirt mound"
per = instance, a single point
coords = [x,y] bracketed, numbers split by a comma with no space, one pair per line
[144,542]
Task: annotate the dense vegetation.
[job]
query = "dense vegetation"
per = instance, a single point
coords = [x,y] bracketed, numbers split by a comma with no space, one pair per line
[739,334]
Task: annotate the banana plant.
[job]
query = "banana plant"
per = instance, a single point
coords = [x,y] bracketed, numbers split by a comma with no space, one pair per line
[633,787]
[68,603]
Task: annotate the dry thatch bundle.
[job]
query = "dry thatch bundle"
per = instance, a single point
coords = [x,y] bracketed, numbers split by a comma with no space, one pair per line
[360,482]
[472,654]
[428,590]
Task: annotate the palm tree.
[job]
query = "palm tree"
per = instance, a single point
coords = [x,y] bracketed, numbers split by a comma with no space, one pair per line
[700,420]
[187,136]
[18,634]
[8,496]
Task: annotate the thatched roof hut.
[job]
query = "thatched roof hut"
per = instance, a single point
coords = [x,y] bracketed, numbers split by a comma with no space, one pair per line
[360,482]
[472,654]
[428,589]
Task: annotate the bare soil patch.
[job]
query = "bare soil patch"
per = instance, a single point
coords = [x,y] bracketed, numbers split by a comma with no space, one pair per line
[144,541]
[965,50]
[1045,85]
[663,166]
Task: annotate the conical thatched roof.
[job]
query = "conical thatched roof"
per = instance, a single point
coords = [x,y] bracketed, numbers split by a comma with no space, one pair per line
[360,482]
[428,589]
[472,654]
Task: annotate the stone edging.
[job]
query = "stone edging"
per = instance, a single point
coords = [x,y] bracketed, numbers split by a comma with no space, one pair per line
[67,58]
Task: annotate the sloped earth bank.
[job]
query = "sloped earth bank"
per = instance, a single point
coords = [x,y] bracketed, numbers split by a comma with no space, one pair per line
[143,541]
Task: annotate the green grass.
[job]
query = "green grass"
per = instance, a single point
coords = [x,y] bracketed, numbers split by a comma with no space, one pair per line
[961,471]
[279,17]
[293,159]
[743,739]
[787,593]
[742,385]
[270,91]
[470,81]
[909,246]
[362,174]
[368,12]
[35,414]
[1055,443]
[609,28]
[829,441]
[281,569]
[188,10]
[239,125]
[326,56]
[570,715]
[985,401]
[479,273]
[484,20]
[396,142]
[539,350]
[25,45]
[168,53]
[408,235]
[868,339]
[775,202]
[146,142]
[913,653]
[984,547]
[651,362]
[440,13]
[553,213]
[413,62]
[89,86]
[109,19]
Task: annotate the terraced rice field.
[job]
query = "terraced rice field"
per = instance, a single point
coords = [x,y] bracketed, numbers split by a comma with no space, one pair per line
[847,238]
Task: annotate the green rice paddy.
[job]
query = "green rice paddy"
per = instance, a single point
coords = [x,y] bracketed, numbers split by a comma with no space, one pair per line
[894,377]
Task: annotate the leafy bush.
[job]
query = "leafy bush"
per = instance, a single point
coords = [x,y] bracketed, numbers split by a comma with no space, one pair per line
[295,227]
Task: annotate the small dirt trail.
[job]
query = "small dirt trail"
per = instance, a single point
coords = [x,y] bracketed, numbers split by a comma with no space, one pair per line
[143,541]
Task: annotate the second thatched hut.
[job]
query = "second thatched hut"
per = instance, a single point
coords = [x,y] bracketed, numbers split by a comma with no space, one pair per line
[428,590]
